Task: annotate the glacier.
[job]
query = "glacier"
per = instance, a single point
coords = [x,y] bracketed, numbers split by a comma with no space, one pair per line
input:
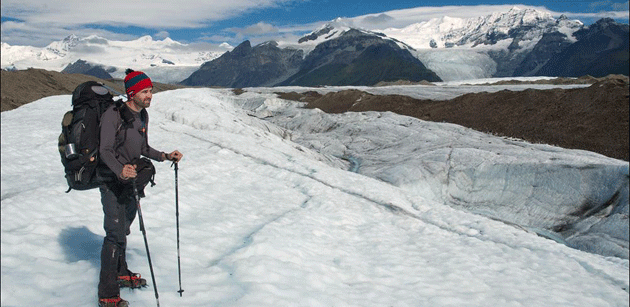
[458,64]
[574,197]
[283,206]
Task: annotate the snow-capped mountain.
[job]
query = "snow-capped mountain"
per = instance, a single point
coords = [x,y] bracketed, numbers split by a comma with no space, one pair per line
[245,66]
[608,38]
[62,47]
[498,44]
[493,31]
[343,57]
[486,46]
[333,30]
[167,60]
[516,42]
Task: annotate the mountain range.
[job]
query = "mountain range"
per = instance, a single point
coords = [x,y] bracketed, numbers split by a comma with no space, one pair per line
[354,58]
[519,42]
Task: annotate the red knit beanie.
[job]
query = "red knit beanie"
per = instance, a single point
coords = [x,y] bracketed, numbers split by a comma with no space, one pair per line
[136,81]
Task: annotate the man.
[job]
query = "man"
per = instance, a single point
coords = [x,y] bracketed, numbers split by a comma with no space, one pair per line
[123,142]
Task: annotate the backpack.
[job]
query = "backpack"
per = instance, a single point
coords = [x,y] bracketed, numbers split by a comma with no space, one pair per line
[80,136]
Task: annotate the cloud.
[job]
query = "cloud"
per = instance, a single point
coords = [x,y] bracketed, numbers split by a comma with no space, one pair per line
[405,17]
[96,41]
[616,15]
[29,34]
[607,6]
[141,13]
[621,6]
[40,22]
[161,35]
[593,6]
[226,46]
[378,19]
[260,28]
[87,49]
[39,35]
[261,32]
[49,20]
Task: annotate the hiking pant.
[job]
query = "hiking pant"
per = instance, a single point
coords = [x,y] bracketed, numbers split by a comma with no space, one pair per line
[120,210]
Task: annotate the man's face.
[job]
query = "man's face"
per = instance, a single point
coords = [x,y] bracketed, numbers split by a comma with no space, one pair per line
[142,99]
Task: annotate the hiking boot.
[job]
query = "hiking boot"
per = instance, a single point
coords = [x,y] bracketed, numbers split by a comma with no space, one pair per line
[133,281]
[112,302]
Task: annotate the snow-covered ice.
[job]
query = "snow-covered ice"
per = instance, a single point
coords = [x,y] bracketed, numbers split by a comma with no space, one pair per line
[270,215]
[458,64]
[438,91]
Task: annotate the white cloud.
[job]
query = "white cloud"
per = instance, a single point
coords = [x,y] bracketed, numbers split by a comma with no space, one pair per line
[39,22]
[226,46]
[378,19]
[44,21]
[203,46]
[405,17]
[616,15]
[263,32]
[142,13]
[35,34]
[161,35]
[260,28]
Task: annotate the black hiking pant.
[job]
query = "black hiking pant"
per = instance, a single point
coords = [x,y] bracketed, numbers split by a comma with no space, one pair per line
[119,207]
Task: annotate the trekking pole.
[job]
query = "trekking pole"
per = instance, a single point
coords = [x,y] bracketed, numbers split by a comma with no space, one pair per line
[146,243]
[179,268]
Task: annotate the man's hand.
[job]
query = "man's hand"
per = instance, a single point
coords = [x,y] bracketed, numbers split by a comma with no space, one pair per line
[128,172]
[174,156]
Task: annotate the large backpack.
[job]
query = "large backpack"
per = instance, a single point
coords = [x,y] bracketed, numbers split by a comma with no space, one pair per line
[80,136]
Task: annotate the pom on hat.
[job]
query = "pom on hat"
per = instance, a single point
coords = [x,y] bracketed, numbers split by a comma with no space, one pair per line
[136,81]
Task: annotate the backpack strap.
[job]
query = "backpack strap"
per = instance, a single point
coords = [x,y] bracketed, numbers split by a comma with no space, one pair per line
[144,117]
[127,119]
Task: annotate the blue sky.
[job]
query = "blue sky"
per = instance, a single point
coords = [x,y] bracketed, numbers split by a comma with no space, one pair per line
[211,22]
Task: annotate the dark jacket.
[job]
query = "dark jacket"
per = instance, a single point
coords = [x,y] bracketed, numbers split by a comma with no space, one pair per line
[123,141]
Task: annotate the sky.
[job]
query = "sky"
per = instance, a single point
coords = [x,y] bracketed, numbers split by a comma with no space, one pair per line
[38,23]
[270,215]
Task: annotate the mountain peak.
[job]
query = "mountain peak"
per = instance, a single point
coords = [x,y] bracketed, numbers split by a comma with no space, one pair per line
[146,38]
[243,48]
[323,31]
[269,43]
[72,38]
[602,25]
[604,21]
[445,32]
[60,48]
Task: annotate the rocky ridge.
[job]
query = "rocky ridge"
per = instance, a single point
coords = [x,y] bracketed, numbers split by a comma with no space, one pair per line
[25,86]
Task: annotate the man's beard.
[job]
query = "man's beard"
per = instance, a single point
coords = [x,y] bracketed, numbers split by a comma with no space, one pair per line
[142,103]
